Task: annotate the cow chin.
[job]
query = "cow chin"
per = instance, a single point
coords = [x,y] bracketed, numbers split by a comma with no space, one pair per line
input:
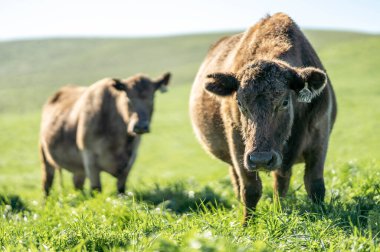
[263,161]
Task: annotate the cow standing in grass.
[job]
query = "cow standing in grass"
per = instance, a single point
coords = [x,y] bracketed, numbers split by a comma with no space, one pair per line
[92,129]
[262,101]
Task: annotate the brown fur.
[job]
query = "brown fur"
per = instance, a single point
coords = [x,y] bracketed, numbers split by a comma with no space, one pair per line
[248,102]
[97,128]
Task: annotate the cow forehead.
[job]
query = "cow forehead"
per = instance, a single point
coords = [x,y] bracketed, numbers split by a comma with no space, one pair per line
[265,78]
[140,87]
[272,89]
[139,83]
[264,71]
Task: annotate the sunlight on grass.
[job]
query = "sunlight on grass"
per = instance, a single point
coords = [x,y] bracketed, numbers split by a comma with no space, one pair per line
[178,198]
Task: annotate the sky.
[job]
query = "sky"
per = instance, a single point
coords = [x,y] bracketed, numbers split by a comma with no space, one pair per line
[24,19]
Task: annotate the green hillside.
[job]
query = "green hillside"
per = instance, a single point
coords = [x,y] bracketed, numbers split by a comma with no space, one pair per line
[31,70]
[162,215]
[37,68]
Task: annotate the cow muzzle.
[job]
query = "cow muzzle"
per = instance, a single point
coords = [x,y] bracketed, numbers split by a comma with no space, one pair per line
[141,127]
[268,161]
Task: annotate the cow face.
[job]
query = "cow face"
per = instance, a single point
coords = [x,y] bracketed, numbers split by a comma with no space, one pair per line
[140,92]
[264,94]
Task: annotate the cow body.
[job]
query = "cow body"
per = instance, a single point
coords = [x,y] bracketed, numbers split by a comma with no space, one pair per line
[87,130]
[262,101]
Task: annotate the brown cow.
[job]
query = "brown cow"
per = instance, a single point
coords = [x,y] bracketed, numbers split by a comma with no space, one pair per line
[97,128]
[262,101]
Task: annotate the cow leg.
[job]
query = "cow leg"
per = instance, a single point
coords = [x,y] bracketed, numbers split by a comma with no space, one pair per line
[92,170]
[47,177]
[122,177]
[313,178]
[235,181]
[78,180]
[132,146]
[250,192]
[121,181]
[281,181]
[48,171]
[249,182]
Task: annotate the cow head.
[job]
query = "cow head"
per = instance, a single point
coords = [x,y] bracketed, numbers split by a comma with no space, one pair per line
[263,95]
[140,93]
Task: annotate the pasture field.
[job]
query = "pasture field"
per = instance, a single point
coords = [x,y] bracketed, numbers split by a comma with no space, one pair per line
[180,199]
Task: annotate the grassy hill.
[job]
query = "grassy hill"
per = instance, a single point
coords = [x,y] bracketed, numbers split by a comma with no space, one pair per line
[171,164]
[31,70]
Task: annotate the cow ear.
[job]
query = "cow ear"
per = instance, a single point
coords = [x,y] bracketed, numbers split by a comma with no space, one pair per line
[119,85]
[222,84]
[308,83]
[162,82]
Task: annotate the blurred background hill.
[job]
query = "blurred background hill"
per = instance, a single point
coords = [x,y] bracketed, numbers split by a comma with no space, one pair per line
[32,69]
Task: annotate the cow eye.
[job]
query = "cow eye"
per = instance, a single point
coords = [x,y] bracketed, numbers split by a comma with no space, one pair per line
[239,104]
[285,103]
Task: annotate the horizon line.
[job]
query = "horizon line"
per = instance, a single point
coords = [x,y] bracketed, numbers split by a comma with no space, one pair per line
[168,35]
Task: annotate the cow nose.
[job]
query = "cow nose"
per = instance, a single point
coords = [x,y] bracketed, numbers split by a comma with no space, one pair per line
[141,127]
[266,160]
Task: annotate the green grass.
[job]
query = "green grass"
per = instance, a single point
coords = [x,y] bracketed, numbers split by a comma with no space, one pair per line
[180,199]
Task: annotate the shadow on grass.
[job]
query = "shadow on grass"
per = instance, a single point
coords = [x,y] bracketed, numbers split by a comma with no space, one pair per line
[13,203]
[361,211]
[179,198]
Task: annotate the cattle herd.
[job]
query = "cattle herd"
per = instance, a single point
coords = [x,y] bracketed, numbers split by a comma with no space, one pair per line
[261,101]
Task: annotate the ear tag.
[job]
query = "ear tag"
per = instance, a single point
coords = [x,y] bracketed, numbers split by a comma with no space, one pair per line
[305,95]
[163,89]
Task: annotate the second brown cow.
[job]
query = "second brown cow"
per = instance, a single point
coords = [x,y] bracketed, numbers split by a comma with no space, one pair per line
[87,130]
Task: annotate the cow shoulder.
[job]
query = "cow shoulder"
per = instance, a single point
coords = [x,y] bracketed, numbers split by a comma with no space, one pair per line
[99,113]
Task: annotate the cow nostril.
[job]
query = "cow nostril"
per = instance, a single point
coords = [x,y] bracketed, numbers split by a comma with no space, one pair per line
[146,129]
[141,128]
[251,162]
[272,161]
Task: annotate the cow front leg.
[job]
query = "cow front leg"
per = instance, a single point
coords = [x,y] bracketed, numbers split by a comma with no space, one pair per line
[250,192]
[281,182]
[78,180]
[131,150]
[122,180]
[235,181]
[92,170]
[313,178]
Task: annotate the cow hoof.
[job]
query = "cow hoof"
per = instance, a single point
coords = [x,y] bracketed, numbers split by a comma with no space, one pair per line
[317,191]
